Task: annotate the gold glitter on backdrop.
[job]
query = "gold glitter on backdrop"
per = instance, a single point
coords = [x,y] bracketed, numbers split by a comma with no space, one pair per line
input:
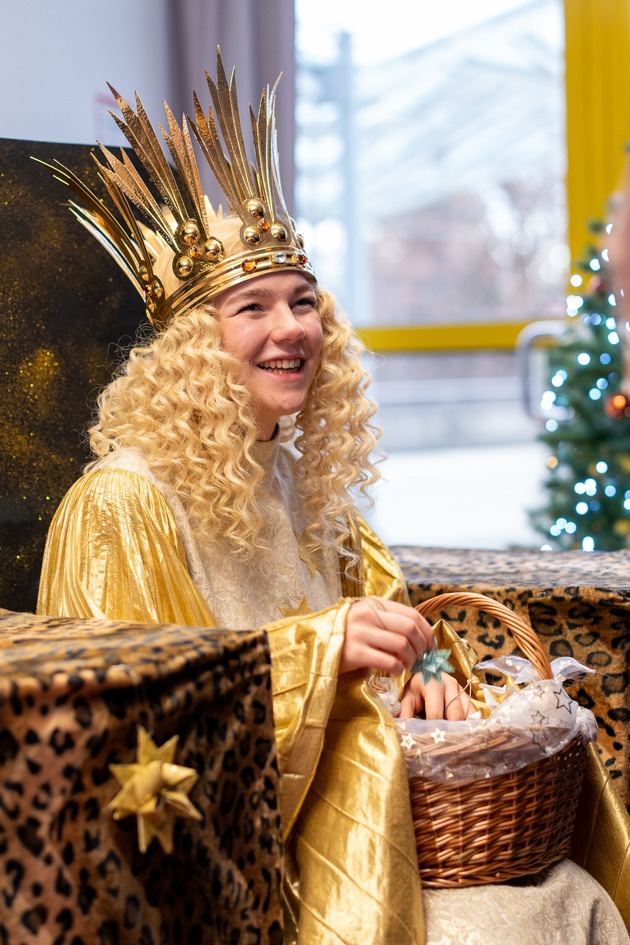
[65,307]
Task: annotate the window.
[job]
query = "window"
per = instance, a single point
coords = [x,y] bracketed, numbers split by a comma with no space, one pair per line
[430,168]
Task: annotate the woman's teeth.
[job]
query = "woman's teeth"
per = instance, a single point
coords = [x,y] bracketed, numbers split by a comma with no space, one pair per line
[286,364]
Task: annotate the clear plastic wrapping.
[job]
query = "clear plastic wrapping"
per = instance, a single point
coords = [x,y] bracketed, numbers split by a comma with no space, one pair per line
[514,725]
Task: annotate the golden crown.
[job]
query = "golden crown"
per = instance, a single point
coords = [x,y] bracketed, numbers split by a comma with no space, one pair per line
[175,208]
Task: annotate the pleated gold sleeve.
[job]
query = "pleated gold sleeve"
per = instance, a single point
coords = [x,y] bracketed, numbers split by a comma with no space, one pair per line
[113,551]
[381,573]
[351,866]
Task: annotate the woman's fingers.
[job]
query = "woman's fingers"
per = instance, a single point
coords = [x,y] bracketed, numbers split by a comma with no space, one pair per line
[384,635]
[435,700]
[456,701]
[404,619]
[413,699]
[389,636]
[404,624]
[389,644]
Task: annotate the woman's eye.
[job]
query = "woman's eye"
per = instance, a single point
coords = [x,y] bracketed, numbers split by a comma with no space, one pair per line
[307,302]
[252,307]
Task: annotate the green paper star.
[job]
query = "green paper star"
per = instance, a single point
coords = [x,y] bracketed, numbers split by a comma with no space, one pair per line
[432,664]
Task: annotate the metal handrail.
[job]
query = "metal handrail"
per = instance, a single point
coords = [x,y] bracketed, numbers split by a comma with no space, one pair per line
[536,334]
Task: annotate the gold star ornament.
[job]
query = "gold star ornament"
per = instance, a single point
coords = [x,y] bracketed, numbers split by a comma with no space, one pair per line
[306,554]
[156,790]
[492,696]
[302,609]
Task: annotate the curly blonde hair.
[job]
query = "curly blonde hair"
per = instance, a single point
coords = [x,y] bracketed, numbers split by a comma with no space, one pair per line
[179,402]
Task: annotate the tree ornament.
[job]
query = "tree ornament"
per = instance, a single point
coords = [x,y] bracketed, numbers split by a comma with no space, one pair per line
[617,407]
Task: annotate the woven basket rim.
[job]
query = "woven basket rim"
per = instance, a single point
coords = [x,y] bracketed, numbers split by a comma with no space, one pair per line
[524,635]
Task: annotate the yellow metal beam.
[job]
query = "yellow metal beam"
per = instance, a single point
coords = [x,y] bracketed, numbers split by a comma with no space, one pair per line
[466,337]
[597,77]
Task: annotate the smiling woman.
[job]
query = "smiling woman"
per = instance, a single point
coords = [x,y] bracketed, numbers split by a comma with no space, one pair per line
[228,454]
[272,327]
[264,359]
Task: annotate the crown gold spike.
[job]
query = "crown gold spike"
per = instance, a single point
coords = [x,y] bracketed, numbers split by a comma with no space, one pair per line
[175,211]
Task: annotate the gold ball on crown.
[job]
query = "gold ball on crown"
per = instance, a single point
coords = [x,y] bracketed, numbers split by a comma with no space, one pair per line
[251,235]
[213,250]
[183,267]
[279,232]
[188,232]
[255,207]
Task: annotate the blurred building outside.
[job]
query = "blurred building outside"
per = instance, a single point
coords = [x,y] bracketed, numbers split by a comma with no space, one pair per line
[432,181]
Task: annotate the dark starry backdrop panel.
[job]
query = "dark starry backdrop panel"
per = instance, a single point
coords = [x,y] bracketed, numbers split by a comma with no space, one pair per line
[65,306]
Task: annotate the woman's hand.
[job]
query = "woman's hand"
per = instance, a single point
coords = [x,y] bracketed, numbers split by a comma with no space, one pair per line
[445,700]
[383,634]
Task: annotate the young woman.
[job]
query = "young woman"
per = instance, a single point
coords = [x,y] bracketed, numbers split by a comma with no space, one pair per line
[227,453]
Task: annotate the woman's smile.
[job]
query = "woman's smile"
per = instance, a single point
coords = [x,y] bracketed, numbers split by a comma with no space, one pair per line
[286,366]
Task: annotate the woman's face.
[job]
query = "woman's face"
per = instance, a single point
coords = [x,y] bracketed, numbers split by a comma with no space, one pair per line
[270,324]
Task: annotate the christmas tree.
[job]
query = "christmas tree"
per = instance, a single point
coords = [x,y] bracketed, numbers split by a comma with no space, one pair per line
[588,419]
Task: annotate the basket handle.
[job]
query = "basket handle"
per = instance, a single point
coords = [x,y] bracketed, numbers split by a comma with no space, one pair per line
[523,634]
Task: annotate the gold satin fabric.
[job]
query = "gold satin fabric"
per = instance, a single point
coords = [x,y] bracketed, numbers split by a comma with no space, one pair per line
[351,866]
[114,551]
[601,836]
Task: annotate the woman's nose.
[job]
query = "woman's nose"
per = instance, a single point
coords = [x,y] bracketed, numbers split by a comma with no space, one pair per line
[286,327]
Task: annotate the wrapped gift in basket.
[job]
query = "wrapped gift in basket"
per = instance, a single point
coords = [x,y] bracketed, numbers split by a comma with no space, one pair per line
[495,797]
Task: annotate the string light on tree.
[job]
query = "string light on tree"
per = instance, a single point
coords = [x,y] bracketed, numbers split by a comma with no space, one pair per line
[587,429]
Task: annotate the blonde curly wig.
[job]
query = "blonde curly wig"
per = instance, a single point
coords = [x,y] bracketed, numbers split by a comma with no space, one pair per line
[178,401]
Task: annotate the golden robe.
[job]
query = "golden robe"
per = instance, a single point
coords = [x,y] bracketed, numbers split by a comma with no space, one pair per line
[117,549]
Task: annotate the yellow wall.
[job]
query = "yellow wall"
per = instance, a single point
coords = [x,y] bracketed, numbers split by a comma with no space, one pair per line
[598,108]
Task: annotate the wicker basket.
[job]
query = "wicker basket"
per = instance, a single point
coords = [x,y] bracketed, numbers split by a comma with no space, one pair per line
[503,827]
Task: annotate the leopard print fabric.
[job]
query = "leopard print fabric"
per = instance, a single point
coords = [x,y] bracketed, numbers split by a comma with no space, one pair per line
[72,693]
[579,605]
